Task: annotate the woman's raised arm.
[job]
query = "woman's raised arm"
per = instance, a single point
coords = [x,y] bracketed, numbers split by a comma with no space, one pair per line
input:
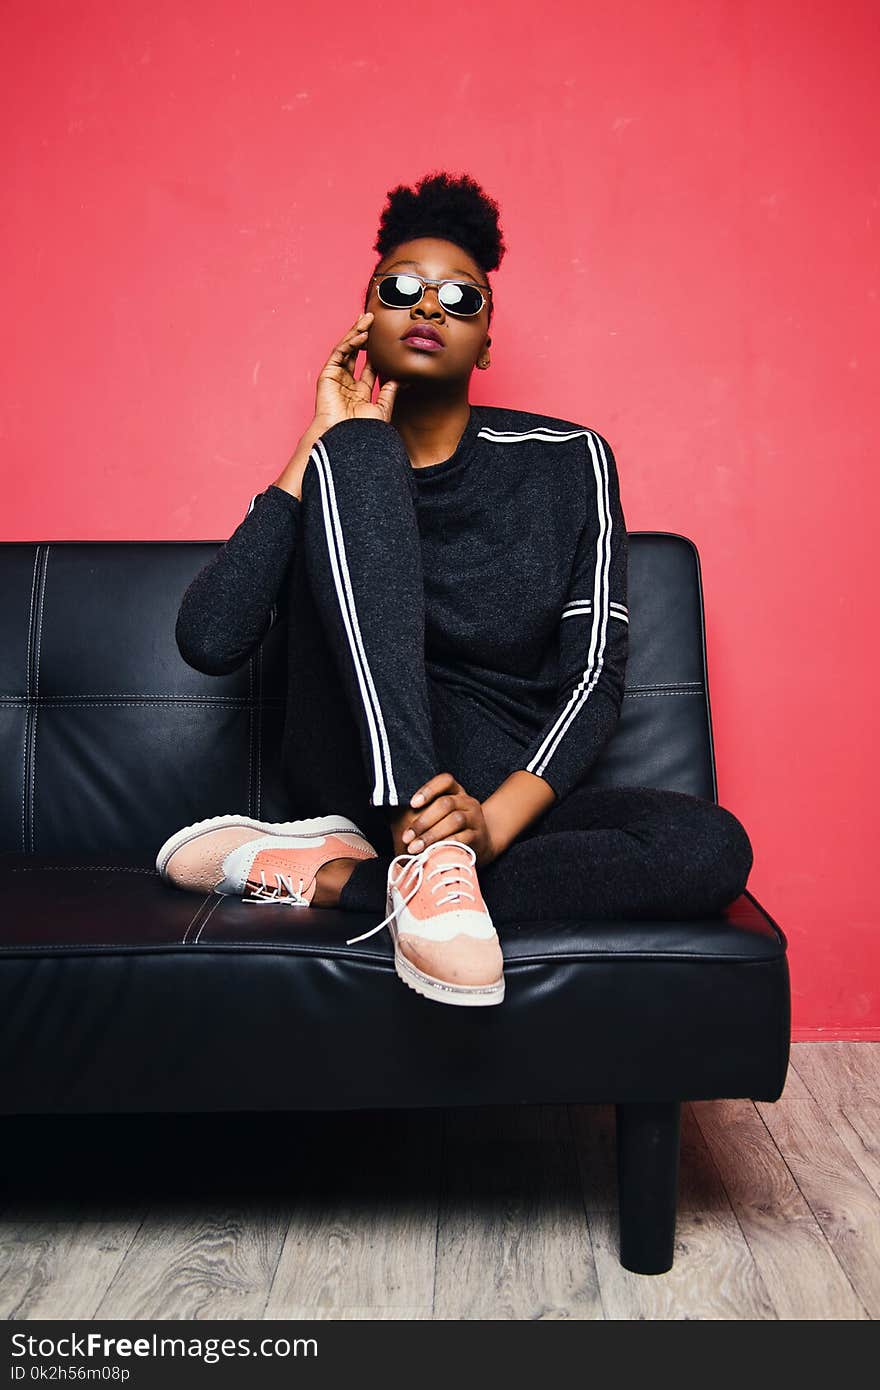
[233,601]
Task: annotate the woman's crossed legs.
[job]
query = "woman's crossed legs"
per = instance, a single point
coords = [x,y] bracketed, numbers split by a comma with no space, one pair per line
[601,852]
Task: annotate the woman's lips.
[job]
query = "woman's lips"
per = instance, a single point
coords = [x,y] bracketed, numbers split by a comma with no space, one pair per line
[423,344]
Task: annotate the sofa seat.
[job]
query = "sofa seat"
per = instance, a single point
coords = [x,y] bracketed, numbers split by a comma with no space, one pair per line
[121,993]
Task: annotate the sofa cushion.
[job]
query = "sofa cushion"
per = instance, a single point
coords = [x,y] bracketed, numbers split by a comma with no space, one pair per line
[123,993]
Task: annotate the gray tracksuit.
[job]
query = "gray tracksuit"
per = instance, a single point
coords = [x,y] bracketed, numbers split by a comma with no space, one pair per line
[468,617]
[519,542]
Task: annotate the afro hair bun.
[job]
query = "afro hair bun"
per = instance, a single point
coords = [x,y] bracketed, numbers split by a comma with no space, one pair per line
[444,206]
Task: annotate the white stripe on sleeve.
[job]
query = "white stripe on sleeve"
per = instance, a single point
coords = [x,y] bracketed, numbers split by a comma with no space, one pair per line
[600,613]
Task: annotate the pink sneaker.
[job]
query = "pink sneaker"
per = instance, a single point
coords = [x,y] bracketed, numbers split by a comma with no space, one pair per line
[235,855]
[445,946]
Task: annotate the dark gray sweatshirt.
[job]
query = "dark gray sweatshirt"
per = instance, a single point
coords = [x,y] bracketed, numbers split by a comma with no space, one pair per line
[524,551]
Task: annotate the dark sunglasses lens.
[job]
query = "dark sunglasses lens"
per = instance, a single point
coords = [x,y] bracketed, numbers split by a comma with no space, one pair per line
[403,291]
[459,298]
[400,291]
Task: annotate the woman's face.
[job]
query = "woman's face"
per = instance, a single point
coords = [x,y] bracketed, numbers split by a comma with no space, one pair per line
[463,338]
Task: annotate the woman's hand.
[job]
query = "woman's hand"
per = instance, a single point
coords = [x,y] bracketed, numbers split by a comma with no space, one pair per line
[339,396]
[448,813]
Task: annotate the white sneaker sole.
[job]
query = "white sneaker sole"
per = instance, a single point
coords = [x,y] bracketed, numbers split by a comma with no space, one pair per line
[441,991]
[315,825]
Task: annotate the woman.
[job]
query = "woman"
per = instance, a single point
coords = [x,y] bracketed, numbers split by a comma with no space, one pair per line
[454,578]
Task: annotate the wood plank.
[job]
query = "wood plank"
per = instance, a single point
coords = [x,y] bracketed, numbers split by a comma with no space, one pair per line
[864,1058]
[311,1312]
[794,1088]
[69,1218]
[149,1225]
[57,1259]
[512,1239]
[215,1260]
[362,1229]
[844,1081]
[840,1075]
[594,1129]
[713,1276]
[840,1196]
[183,1170]
[799,1269]
[595,1135]
[820,1082]
[864,1123]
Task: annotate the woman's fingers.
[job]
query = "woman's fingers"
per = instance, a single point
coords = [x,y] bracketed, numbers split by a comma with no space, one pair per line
[442,808]
[352,342]
[449,828]
[448,813]
[339,394]
[441,782]
[387,392]
[345,353]
[385,398]
[359,342]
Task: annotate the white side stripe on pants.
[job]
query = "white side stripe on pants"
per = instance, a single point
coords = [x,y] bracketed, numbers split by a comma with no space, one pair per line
[342,580]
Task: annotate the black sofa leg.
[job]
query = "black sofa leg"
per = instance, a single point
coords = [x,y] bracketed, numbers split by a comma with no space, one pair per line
[648,1141]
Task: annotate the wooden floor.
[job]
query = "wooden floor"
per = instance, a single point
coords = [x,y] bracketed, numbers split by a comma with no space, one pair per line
[497,1213]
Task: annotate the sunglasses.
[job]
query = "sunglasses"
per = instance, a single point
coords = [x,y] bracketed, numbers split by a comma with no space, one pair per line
[402,291]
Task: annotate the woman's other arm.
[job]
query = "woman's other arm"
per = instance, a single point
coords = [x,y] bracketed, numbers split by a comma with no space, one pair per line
[593,649]
[229,606]
[520,799]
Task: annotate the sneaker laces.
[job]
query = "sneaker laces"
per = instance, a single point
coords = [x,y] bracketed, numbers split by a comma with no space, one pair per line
[264,894]
[461,874]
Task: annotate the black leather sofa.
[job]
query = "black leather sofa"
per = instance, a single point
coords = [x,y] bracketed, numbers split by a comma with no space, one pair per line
[120,994]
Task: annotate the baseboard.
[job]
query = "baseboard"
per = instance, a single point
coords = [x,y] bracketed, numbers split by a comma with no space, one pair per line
[838,1034]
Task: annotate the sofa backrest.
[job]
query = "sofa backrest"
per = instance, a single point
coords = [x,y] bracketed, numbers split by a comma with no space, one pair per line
[110,741]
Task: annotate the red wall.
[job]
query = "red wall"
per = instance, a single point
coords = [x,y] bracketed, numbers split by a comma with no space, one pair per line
[690,197]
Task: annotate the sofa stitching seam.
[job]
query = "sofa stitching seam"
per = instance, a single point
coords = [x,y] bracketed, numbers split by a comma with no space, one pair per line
[207,919]
[198,912]
[24,744]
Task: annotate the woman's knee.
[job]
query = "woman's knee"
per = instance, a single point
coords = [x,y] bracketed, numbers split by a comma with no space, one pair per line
[701,850]
[737,852]
[355,459]
[360,492]
[722,855]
